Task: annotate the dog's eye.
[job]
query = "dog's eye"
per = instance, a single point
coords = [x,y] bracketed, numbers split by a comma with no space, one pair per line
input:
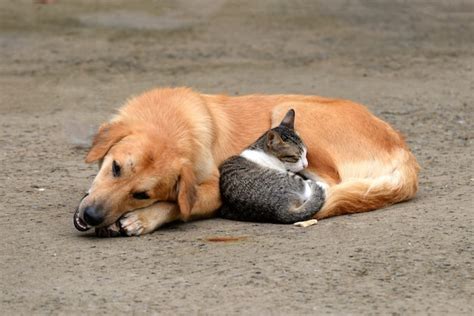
[115,169]
[141,196]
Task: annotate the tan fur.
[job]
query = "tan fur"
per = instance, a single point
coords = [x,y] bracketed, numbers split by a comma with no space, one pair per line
[187,190]
[170,143]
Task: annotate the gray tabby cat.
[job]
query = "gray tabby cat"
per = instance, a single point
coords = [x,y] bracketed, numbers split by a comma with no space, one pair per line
[260,184]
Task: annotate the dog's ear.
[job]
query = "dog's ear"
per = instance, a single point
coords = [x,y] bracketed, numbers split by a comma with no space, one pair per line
[289,119]
[108,135]
[186,190]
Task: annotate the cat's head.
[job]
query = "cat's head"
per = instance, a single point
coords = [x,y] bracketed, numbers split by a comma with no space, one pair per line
[284,143]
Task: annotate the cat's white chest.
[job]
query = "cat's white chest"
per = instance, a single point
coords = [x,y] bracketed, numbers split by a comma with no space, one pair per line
[263,159]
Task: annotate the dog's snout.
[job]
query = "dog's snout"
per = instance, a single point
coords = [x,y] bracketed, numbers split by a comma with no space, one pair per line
[93,215]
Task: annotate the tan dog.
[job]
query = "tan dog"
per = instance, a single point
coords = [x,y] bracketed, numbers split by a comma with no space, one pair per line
[159,156]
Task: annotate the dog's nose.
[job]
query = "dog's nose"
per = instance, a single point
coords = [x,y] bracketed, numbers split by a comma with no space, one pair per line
[93,215]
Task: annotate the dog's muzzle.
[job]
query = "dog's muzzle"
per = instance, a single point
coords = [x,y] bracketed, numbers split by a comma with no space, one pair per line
[79,223]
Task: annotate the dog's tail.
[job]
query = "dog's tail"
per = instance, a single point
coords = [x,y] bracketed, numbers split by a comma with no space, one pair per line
[368,186]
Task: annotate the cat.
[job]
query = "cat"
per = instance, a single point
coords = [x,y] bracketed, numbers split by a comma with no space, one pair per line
[262,185]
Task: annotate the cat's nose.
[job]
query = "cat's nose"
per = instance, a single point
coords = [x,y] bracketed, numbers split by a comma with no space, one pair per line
[305,163]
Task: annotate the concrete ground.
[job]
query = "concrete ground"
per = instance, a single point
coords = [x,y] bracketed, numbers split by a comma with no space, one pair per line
[65,67]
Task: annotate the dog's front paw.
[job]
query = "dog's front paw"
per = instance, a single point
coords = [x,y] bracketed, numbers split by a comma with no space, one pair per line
[108,231]
[131,224]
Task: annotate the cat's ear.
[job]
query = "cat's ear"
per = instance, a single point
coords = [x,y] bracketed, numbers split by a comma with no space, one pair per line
[289,120]
[273,140]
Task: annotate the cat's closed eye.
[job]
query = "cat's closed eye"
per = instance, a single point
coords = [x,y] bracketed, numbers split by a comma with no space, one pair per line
[289,158]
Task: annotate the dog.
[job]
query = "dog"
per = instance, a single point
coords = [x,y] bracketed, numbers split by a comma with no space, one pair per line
[159,156]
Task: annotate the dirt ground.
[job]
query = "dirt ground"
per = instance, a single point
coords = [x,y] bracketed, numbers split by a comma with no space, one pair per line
[66,66]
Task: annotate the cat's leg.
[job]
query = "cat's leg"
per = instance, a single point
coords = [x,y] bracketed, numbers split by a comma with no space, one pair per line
[314,194]
[314,177]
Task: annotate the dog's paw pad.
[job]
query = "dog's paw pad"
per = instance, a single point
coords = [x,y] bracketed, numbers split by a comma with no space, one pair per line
[131,225]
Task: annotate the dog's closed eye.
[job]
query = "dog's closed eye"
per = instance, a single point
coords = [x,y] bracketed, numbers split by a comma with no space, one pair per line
[116,169]
[141,196]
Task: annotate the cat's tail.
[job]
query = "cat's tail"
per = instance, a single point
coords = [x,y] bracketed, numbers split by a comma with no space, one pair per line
[372,185]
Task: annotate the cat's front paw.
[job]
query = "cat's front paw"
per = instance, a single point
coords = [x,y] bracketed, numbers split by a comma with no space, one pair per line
[323,185]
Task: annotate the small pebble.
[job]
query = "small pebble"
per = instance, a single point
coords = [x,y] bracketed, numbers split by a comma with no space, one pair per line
[307,223]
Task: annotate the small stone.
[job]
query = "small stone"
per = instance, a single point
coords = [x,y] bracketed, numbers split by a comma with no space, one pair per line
[307,223]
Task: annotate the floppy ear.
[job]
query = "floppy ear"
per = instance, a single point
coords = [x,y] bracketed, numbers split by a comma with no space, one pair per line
[186,190]
[289,119]
[273,139]
[108,135]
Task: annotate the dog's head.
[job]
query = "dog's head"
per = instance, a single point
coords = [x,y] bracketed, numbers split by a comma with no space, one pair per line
[138,166]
